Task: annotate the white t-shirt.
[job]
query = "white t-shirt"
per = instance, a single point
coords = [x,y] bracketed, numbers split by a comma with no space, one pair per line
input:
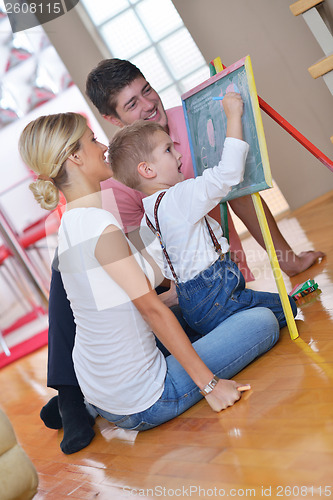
[117,363]
[181,211]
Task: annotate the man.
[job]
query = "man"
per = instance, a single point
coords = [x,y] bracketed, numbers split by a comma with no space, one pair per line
[122,95]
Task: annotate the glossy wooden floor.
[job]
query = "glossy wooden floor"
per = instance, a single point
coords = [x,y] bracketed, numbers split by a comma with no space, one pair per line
[276,442]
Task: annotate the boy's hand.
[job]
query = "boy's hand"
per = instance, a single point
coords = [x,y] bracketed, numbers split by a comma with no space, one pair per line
[233,108]
[224,394]
[232,104]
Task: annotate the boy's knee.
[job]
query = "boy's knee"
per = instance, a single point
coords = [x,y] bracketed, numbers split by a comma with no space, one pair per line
[267,316]
[267,322]
[272,324]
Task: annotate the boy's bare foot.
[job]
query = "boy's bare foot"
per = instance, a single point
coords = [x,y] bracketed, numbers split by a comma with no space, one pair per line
[299,263]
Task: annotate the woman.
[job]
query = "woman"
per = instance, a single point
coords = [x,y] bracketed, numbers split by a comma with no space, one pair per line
[121,371]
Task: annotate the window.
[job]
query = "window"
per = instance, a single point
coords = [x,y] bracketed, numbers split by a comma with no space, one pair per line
[164,51]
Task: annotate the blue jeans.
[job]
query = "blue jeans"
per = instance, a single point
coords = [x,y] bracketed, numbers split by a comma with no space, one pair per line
[219,292]
[192,334]
[226,350]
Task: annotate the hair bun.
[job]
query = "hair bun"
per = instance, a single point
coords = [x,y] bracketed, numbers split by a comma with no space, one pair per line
[45,178]
[45,193]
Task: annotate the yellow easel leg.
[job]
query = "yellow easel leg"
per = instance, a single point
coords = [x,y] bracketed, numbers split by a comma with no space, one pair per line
[218,64]
[275,265]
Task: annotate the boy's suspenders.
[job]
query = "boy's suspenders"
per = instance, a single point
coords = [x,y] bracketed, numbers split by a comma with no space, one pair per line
[157,232]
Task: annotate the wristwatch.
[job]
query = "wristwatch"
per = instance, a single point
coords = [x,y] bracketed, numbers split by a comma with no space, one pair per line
[210,386]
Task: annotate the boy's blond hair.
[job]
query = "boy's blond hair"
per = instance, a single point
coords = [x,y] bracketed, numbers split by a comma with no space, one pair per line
[130,146]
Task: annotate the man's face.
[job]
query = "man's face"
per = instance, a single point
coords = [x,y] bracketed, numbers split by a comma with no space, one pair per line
[138,101]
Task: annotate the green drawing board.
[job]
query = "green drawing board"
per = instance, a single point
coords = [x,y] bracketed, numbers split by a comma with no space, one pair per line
[206,125]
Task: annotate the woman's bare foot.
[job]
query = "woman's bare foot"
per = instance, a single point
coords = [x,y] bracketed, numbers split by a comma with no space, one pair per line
[296,264]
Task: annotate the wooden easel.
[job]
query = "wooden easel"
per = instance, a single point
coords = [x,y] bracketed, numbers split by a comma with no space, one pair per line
[215,67]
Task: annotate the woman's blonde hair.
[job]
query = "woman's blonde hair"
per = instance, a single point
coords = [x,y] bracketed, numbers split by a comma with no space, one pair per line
[44,145]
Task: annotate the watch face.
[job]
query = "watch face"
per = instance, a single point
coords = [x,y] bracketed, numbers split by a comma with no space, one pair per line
[209,387]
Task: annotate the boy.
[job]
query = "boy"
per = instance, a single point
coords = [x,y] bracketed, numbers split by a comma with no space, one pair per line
[209,285]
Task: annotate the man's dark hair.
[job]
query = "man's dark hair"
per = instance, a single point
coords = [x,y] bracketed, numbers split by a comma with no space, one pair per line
[106,81]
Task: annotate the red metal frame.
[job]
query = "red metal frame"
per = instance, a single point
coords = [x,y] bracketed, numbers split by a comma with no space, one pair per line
[295,134]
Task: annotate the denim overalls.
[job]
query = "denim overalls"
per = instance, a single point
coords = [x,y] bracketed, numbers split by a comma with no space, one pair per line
[218,291]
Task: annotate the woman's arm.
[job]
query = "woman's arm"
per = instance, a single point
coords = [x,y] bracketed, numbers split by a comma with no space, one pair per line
[114,254]
[167,328]
[169,298]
